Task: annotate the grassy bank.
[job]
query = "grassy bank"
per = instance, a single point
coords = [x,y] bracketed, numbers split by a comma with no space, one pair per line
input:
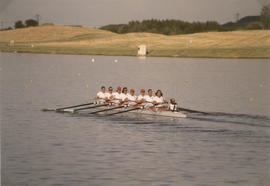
[75,40]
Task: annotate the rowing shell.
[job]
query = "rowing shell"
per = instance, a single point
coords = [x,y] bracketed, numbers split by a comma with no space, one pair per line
[160,113]
[144,112]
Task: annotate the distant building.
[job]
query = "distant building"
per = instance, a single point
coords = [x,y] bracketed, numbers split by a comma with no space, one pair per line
[11,43]
[142,50]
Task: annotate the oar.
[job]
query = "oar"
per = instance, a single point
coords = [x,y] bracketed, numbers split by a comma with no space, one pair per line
[123,111]
[192,111]
[106,109]
[85,108]
[63,108]
[74,106]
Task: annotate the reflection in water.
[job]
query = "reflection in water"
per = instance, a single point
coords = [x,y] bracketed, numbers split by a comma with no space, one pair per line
[228,145]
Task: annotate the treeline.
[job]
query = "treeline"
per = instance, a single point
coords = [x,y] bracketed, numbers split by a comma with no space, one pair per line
[167,27]
[172,27]
[26,23]
[261,21]
[21,24]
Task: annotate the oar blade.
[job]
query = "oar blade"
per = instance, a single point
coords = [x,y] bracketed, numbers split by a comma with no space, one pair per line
[48,110]
[66,110]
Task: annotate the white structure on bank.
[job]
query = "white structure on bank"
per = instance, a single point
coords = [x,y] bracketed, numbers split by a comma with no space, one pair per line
[11,43]
[142,50]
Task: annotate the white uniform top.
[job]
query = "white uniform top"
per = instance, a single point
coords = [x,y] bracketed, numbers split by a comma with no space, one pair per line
[116,95]
[101,95]
[132,98]
[108,95]
[124,96]
[140,97]
[158,100]
[173,107]
[148,98]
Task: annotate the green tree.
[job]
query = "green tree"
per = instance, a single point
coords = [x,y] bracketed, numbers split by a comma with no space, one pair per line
[8,28]
[31,22]
[254,26]
[19,24]
[168,27]
[265,16]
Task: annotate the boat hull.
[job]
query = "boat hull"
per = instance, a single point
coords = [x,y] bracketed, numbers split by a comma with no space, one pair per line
[160,113]
[138,111]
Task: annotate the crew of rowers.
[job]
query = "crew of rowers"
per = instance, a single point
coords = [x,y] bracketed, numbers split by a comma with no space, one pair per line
[128,98]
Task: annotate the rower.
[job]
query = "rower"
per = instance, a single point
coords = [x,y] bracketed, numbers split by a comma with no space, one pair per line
[117,96]
[124,95]
[101,95]
[132,98]
[142,97]
[109,94]
[149,99]
[158,100]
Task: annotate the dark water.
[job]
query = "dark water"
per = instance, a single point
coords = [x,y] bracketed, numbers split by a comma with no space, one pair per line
[230,145]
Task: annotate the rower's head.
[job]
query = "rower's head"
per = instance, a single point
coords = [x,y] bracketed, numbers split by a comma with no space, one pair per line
[110,89]
[159,93]
[124,90]
[150,92]
[132,92]
[142,92]
[172,101]
[103,89]
[118,89]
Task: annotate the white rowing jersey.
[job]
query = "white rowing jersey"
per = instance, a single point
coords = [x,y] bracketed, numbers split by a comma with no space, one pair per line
[149,98]
[132,98]
[158,99]
[123,96]
[141,97]
[116,95]
[108,95]
[101,95]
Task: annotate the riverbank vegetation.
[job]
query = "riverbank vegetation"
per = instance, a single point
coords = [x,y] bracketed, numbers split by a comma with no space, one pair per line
[80,40]
[175,27]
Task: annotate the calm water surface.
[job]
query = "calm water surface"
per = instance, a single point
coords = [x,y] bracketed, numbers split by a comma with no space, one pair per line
[228,146]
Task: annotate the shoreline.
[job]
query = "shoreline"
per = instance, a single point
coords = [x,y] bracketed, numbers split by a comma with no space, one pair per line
[161,56]
[62,51]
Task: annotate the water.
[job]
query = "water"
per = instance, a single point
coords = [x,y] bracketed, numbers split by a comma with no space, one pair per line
[227,146]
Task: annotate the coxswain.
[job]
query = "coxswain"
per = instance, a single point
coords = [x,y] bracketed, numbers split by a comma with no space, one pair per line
[173,105]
